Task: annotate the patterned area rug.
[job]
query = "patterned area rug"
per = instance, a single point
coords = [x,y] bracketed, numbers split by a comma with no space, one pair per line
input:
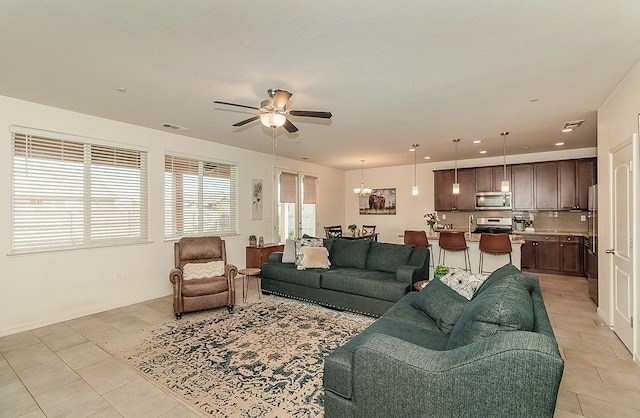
[264,360]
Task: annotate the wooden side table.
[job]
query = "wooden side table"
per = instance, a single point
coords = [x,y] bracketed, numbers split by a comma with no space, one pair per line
[256,256]
[246,274]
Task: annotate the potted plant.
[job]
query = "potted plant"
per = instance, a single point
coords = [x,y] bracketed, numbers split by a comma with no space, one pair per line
[440,271]
[252,240]
[353,228]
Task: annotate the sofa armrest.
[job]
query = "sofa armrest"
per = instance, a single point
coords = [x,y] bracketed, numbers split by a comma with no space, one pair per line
[275,257]
[230,271]
[408,274]
[511,374]
[175,276]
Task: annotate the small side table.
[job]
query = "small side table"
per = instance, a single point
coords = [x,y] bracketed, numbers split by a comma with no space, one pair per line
[246,274]
[420,285]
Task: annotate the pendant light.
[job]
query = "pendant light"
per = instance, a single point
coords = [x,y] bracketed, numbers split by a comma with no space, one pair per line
[456,185]
[362,191]
[414,189]
[505,182]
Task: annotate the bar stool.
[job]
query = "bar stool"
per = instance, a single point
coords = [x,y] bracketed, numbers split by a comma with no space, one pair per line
[454,241]
[496,244]
[419,239]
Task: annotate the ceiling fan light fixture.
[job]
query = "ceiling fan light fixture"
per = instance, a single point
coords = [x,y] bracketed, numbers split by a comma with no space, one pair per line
[273,120]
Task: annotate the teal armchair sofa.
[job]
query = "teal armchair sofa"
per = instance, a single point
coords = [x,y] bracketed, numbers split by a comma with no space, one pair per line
[497,356]
[365,276]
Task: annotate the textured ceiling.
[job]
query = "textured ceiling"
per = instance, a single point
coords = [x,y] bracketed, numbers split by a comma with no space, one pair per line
[393,74]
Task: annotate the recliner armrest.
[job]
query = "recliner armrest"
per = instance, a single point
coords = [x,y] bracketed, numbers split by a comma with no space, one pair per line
[175,276]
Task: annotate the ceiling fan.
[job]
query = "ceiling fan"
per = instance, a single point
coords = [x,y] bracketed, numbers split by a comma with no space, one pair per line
[273,111]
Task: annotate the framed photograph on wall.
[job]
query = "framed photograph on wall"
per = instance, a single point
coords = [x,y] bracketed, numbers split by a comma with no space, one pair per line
[256,199]
[379,202]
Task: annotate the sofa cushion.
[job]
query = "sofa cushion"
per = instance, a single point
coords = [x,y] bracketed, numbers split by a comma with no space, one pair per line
[373,284]
[314,257]
[463,282]
[286,272]
[404,311]
[443,304]
[305,242]
[350,253]
[505,306]
[387,257]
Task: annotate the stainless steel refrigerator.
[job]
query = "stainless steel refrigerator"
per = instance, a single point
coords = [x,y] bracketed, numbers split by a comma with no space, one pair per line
[592,241]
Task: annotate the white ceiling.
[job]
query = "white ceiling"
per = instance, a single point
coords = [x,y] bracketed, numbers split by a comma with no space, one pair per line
[392,74]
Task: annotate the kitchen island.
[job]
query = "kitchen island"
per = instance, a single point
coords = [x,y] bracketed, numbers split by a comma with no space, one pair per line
[491,262]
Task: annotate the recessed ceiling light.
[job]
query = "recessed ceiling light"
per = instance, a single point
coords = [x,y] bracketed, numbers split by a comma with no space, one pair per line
[174,127]
[304,158]
[427,158]
[477,141]
[412,149]
[559,144]
[567,130]
[122,89]
[483,152]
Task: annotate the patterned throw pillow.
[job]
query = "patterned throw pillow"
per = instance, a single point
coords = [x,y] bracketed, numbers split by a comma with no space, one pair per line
[463,282]
[203,270]
[305,242]
[314,258]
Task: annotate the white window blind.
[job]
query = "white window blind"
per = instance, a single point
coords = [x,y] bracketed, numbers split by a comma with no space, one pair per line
[201,197]
[69,193]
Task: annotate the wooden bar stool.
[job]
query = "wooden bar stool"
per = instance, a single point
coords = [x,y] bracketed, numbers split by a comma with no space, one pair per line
[454,241]
[496,244]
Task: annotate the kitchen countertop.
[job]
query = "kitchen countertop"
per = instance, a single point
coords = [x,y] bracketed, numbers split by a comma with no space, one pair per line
[473,237]
[572,233]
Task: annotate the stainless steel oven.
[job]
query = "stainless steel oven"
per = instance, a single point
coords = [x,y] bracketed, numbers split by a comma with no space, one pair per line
[493,201]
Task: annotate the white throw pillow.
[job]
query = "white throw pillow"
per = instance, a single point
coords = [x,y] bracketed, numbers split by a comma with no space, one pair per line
[463,282]
[289,253]
[314,258]
[203,270]
[305,242]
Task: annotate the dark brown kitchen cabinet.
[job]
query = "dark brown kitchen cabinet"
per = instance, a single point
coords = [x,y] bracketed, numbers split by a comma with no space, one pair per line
[444,199]
[571,254]
[574,179]
[522,186]
[552,254]
[545,183]
[489,179]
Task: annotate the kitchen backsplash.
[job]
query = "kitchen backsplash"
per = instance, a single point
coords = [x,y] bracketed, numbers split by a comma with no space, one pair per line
[542,221]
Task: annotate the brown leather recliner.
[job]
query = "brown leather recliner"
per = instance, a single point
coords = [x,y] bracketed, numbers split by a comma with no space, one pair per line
[203,293]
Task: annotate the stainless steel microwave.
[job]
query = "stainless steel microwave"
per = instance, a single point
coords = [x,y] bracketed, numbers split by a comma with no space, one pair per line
[493,201]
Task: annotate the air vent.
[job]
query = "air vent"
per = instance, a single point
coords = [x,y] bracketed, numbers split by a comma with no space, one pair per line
[571,125]
[174,127]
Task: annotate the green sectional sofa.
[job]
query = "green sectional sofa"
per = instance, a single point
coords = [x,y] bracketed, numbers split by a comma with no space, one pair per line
[499,359]
[365,276]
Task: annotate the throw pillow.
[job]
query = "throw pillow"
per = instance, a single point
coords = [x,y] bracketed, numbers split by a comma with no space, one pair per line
[441,303]
[289,253]
[314,257]
[305,242]
[503,307]
[192,271]
[463,282]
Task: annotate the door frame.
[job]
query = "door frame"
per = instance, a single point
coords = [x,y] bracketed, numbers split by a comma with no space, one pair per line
[635,235]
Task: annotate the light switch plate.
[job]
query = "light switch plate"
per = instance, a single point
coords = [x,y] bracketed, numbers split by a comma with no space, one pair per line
[583,218]
[444,216]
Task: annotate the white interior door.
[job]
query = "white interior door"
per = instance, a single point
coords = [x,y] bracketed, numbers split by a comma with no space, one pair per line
[621,203]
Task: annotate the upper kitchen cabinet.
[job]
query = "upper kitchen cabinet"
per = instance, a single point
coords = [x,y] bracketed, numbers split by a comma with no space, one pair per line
[522,186]
[574,179]
[444,199]
[489,179]
[545,184]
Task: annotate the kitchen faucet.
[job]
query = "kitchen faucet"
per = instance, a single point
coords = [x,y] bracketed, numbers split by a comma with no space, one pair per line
[470,223]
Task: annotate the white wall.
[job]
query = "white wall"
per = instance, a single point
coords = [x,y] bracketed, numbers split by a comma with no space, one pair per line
[41,289]
[617,121]
[411,209]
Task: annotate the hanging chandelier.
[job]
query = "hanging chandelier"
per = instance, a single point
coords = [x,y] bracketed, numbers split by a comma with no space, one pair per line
[362,191]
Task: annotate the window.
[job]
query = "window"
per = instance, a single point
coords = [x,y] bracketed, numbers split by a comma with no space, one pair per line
[297,197]
[201,197]
[69,193]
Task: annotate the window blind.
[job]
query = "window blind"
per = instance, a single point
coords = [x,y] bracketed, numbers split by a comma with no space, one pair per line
[309,189]
[69,193]
[288,183]
[201,197]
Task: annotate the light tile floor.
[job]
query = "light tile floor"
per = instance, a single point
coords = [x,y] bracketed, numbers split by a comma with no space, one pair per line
[59,371]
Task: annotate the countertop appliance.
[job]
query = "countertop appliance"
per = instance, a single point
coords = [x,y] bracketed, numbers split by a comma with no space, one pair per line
[493,201]
[592,242]
[493,225]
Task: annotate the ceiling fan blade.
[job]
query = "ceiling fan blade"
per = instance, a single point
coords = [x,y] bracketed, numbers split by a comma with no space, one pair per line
[310,114]
[290,127]
[244,122]
[235,104]
[281,98]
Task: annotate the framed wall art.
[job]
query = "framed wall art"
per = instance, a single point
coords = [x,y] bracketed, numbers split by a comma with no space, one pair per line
[379,202]
[256,199]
